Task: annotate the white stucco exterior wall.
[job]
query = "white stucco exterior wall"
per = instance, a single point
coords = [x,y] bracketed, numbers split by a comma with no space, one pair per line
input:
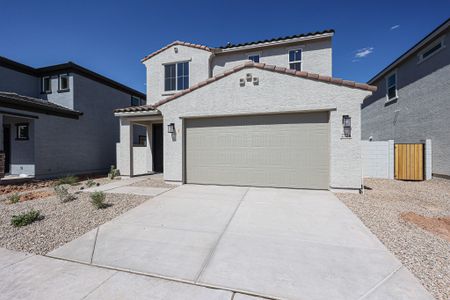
[275,93]
[316,57]
[199,61]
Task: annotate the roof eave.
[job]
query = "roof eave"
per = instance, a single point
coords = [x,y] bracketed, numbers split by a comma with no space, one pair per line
[437,31]
[39,108]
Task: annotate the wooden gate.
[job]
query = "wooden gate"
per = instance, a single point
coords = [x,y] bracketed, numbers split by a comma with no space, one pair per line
[409,161]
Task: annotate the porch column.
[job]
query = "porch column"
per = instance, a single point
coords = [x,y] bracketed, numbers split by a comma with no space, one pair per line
[2,154]
[149,147]
[125,149]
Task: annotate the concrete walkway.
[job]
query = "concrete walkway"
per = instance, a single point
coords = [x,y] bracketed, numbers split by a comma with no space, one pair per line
[276,243]
[25,276]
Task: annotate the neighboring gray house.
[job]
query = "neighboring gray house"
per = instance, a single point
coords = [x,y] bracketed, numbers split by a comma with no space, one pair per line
[265,113]
[412,102]
[57,120]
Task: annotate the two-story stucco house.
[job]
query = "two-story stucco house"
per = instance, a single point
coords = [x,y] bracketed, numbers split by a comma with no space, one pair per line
[412,102]
[57,120]
[264,113]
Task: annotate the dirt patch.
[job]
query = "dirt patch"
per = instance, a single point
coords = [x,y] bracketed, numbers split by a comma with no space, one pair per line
[437,225]
[27,186]
[35,195]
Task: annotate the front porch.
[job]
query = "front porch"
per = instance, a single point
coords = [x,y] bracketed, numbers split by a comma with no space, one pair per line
[143,158]
[17,160]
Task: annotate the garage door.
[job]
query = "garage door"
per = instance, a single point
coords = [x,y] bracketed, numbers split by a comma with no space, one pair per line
[284,150]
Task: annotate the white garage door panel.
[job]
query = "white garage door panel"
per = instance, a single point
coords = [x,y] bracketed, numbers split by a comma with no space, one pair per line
[286,150]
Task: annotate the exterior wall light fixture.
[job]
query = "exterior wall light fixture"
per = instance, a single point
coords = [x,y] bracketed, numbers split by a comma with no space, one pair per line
[171,128]
[347,123]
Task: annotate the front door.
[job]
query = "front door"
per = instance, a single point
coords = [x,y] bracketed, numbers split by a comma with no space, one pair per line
[157,148]
[7,146]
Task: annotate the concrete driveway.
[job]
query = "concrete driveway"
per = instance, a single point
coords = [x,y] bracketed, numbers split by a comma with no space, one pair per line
[277,243]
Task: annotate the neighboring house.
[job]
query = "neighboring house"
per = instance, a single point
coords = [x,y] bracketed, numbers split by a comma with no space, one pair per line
[255,114]
[57,120]
[412,102]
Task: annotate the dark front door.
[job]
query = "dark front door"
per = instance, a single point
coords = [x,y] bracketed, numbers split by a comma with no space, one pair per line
[7,146]
[157,148]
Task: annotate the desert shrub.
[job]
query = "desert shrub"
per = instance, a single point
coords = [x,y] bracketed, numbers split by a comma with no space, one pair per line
[63,194]
[98,200]
[72,180]
[14,198]
[90,183]
[26,218]
[113,173]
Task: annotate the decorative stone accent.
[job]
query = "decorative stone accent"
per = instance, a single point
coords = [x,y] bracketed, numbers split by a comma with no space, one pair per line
[2,164]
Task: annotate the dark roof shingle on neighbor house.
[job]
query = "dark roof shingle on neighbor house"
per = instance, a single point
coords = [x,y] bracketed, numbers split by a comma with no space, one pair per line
[250,64]
[69,67]
[20,102]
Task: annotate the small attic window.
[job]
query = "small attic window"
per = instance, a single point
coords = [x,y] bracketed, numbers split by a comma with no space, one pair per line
[431,50]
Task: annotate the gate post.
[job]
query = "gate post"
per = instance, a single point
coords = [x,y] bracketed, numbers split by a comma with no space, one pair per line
[391,159]
[428,160]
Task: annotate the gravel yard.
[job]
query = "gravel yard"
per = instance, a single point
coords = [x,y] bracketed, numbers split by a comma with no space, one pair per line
[156,180]
[389,208]
[62,222]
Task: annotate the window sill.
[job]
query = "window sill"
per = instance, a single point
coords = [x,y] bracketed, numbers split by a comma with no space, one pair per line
[346,138]
[63,91]
[169,93]
[46,93]
[27,139]
[391,100]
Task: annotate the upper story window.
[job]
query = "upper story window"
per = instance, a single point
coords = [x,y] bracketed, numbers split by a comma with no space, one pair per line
[176,76]
[63,83]
[136,101]
[391,87]
[46,84]
[431,50]
[295,59]
[254,58]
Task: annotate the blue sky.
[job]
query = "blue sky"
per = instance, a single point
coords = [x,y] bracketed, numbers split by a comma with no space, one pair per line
[110,37]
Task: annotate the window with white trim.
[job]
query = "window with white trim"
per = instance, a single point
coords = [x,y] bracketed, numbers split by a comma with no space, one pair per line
[431,50]
[176,76]
[295,59]
[254,58]
[391,87]
[22,131]
[46,84]
[63,83]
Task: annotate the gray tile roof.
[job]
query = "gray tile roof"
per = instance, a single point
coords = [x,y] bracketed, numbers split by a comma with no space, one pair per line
[16,101]
[281,38]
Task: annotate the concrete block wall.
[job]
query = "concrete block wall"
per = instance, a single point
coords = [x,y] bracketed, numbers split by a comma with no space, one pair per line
[378,159]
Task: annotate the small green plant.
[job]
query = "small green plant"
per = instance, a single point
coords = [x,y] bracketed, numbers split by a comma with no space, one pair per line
[26,218]
[98,200]
[113,173]
[72,180]
[63,194]
[14,198]
[90,183]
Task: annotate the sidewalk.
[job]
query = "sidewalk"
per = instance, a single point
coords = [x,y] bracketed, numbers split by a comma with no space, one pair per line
[28,276]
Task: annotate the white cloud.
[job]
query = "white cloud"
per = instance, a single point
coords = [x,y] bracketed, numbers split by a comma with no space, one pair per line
[395,27]
[361,53]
